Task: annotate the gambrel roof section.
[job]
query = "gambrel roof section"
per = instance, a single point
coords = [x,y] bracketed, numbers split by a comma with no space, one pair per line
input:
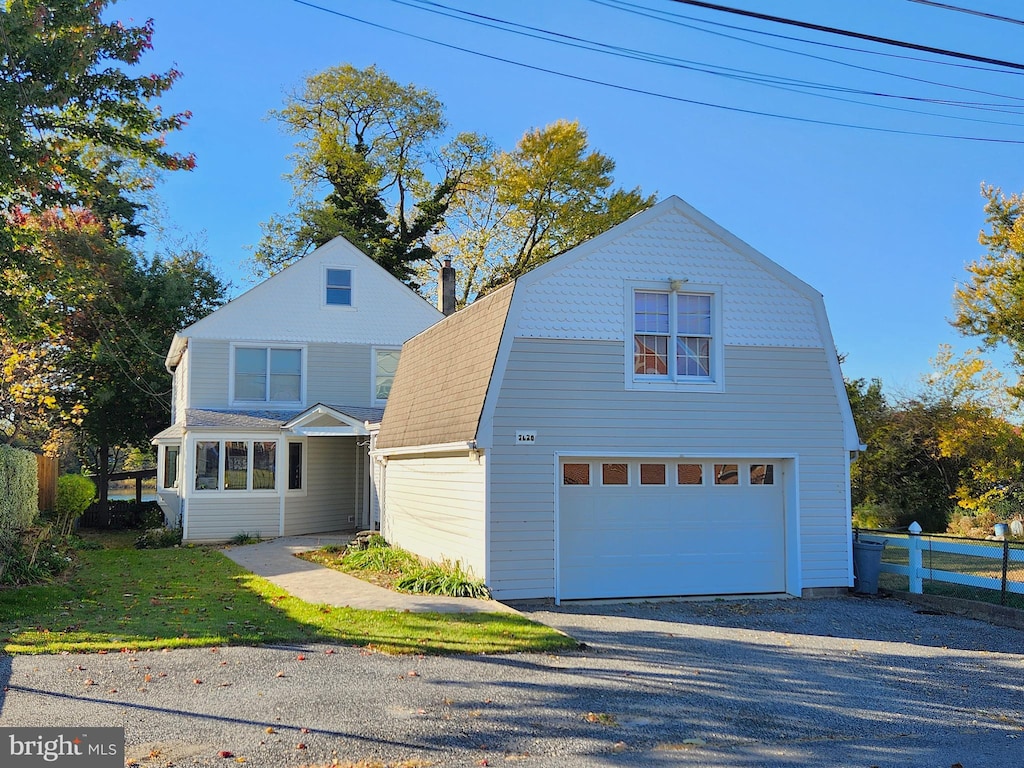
[579,294]
[443,377]
[291,306]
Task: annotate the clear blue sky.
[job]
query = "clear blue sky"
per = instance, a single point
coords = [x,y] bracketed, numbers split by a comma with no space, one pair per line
[881,223]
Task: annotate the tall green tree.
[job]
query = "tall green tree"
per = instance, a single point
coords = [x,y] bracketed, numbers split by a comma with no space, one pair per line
[72,113]
[903,476]
[363,168]
[120,347]
[515,210]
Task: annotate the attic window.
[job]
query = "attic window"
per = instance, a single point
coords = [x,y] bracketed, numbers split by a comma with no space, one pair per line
[676,339]
[339,287]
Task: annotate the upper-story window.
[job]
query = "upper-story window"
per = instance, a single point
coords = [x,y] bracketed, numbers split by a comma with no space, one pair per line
[268,375]
[676,338]
[339,287]
[385,366]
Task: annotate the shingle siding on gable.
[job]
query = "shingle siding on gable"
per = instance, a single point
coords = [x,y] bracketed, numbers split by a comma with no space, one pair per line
[443,376]
[584,299]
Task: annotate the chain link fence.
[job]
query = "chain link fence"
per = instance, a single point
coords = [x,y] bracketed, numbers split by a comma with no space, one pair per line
[988,570]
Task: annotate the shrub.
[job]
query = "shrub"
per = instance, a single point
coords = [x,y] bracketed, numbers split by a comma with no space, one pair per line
[19,488]
[976,526]
[74,495]
[28,557]
[159,538]
[150,515]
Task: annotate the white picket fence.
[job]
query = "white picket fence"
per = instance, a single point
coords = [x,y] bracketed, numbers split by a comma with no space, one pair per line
[916,544]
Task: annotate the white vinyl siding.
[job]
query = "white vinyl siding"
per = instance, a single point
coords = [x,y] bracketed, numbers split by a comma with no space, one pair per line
[208,373]
[338,374]
[435,508]
[219,517]
[333,487]
[180,384]
[778,401]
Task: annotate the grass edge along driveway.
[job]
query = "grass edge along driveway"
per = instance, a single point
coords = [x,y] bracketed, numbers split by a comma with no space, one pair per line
[117,599]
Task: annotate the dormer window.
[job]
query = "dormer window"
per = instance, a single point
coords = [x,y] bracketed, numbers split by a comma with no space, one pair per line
[339,287]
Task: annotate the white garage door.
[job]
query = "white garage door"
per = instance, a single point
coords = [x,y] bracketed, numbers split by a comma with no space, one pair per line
[658,527]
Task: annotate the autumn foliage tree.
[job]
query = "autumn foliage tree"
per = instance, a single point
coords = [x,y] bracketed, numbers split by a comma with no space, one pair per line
[990,304]
[515,210]
[81,137]
[72,114]
[364,148]
[375,151]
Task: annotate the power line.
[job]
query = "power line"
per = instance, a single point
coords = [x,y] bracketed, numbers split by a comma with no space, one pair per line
[848,33]
[743,75]
[791,85]
[983,14]
[639,10]
[655,94]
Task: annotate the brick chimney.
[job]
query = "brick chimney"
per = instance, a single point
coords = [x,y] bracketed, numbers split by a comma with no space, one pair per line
[446,289]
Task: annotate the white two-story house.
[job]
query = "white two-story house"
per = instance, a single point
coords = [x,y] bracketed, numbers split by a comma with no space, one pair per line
[272,397]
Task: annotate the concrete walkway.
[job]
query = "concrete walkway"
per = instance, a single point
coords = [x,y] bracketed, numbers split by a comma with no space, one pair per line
[275,561]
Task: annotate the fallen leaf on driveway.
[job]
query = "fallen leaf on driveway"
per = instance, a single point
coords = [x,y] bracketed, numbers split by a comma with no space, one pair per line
[225,753]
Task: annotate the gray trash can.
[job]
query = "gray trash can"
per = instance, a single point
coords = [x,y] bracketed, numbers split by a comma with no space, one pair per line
[867,564]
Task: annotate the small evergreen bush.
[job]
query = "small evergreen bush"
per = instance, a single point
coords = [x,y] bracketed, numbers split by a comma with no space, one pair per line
[74,495]
[19,488]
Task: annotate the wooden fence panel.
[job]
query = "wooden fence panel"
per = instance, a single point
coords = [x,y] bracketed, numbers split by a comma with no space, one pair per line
[47,469]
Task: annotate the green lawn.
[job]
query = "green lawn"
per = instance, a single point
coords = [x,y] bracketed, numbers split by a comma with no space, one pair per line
[194,596]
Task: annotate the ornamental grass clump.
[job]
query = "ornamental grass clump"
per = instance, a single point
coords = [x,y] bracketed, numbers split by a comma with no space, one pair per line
[378,555]
[444,578]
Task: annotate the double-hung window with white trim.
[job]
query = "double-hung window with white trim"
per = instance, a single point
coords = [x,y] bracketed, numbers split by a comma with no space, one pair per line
[676,338]
[267,374]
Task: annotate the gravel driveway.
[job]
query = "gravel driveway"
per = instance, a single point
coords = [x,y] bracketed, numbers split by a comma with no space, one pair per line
[843,682]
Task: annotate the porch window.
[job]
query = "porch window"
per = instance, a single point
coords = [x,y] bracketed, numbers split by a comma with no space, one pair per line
[207,465]
[171,453]
[236,466]
[248,465]
[294,466]
[268,375]
[264,462]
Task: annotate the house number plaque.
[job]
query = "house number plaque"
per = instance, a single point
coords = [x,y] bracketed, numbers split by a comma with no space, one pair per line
[525,438]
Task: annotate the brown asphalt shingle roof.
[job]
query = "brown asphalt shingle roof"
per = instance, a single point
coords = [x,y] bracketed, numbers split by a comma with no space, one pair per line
[443,375]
